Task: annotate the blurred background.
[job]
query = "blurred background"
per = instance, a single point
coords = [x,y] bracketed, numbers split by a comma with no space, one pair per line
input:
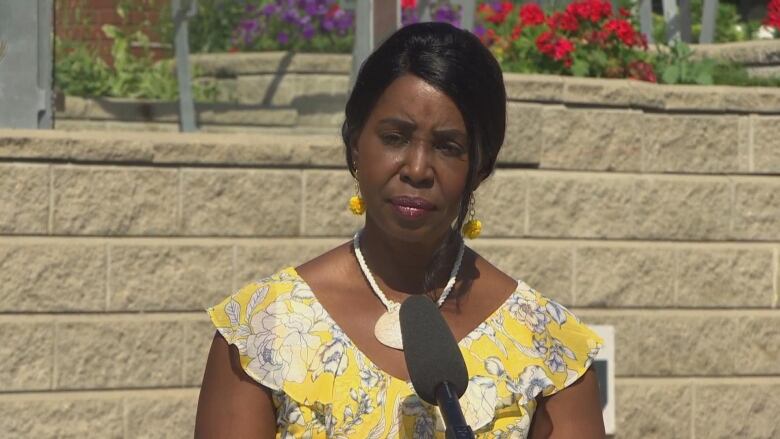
[195,147]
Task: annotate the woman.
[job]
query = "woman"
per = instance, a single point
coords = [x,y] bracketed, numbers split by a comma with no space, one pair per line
[313,351]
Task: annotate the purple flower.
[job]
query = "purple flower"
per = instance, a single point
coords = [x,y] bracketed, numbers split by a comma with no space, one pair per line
[409,16]
[269,9]
[308,31]
[447,14]
[282,37]
[291,16]
[479,30]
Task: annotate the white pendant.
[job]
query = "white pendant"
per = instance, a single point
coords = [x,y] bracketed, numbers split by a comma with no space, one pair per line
[388,329]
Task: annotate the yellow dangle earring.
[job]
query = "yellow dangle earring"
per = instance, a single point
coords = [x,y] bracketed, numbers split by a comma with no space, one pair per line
[356,204]
[473,227]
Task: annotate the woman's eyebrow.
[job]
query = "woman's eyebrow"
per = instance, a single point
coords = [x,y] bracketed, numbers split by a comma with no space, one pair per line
[397,121]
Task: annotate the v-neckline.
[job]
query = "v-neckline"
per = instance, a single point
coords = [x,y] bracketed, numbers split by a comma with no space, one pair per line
[492,316]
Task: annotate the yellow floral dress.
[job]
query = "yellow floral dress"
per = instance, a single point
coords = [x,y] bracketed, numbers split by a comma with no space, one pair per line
[324,386]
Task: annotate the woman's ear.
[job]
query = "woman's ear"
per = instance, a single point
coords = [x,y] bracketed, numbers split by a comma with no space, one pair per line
[353,149]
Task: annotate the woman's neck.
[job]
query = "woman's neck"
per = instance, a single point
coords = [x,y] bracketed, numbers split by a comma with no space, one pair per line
[401,265]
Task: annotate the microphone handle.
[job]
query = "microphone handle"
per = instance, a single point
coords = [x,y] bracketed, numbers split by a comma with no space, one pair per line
[449,406]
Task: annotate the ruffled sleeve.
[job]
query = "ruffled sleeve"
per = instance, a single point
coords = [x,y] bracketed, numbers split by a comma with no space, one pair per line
[570,345]
[283,336]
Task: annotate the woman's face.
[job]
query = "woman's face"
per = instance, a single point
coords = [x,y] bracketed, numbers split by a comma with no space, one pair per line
[412,161]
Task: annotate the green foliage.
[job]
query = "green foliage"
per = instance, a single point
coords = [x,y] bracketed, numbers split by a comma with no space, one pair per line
[211,30]
[728,24]
[736,74]
[676,66]
[79,71]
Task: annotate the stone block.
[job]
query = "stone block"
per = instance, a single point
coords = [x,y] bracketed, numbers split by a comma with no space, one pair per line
[500,203]
[686,344]
[752,99]
[199,334]
[162,415]
[523,139]
[546,268]
[692,97]
[579,205]
[241,202]
[756,209]
[61,416]
[26,355]
[725,277]
[230,114]
[523,87]
[46,277]
[113,352]
[592,139]
[691,343]
[168,278]
[228,65]
[624,276]
[91,200]
[612,92]
[766,144]
[689,144]
[326,200]
[737,410]
[681,208]
[265,258]
[293,90]
[759,349]
[24,197]
[653,411]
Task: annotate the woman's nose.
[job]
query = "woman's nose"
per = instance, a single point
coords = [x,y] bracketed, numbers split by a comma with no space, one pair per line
[417,169]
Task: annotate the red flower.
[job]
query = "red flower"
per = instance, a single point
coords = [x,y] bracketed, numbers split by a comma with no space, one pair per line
[642,71]
[592,10]
[516,32]
[563,48]
[773,14]
[624,31]
[625,13]
[531,14]
[563,20]
[495,16]
[557,48]
[545,42]
[408,4]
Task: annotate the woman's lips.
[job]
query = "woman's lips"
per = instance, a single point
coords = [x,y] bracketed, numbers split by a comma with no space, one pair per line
[412,207]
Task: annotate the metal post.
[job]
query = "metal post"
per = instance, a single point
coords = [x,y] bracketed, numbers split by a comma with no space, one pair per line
[685,21]
[709,13]
[45,63]
[672,18]
[375,20]
[182,10]
[646,19]
[467,12]
[26,63]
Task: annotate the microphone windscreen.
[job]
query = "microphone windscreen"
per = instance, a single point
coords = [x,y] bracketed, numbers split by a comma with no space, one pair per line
[431,352]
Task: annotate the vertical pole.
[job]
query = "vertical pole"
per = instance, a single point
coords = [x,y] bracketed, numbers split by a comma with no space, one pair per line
[45,63]
[182,10]
[646,19]
[375,20]
[424,10]
[685,21]
[467,12]
[709,13]
[672,18]
[364,32]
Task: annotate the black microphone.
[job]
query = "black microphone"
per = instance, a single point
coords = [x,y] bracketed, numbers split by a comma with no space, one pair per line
[435,364]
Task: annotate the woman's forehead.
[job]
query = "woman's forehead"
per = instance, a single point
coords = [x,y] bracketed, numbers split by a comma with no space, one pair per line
[413,99]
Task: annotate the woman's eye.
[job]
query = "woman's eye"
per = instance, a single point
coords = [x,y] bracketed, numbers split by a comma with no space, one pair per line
[393,139]
[450,148]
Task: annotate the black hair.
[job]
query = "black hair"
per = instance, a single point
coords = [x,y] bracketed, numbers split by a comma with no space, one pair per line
[455,62]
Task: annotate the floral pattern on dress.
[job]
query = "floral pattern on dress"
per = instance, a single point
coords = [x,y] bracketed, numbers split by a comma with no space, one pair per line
[324,386]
